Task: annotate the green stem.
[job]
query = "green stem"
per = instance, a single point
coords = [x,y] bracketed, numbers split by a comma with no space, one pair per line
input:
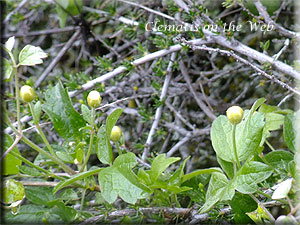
[41,133]
[12,59]
[15,71]
[118,148]
[174,198]
[234,147]
[34,166]
[54,159]
[88,153]
[82,199]
[93,114]
[40,150]
[7,121]
[17,98]
[270,146]
[266,162]
[234,168]
[294,210]
[270,197]
[263,208]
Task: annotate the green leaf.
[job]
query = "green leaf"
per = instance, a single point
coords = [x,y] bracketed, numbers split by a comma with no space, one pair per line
[63,3]
[37,214]
[86,113]
[289,132]
[30,171]
[79,154]
[59,108]
[259,216]
[227,167]
[176,178]
[64,156]
[120,180]
[279,160]
[13,191]
[283,189]
[264,108]
[250,175]
[294,170]
[248,136]
[74,7]
[39,195]
[242,204]
[68,194]
[74,178]
[62,15]
[68,214]
[112,120]
[256,105]
[104,150]
[160,164]
[273,120]
[37,111]
[11,163]
[144,176]
[31,55]
[201,171]
[218,182]
[28,213]
[9,44]
[8,70]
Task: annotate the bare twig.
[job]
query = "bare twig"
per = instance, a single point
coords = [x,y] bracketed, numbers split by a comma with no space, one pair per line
[284,99]
[159,109]
[18,138]
[192,216]
[178,144]
[137,62]
[246,62]
[179,116]
[188,135]
[40,183]
[15,10]
[263,12]
[245,50]
[200,103]
[148,9]
[57,58]
[286,44]
[43,32]
[128,212]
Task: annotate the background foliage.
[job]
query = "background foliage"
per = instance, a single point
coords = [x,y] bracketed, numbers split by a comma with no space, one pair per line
[168,90]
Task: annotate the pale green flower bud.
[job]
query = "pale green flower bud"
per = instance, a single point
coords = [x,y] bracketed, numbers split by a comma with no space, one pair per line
[235,114]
